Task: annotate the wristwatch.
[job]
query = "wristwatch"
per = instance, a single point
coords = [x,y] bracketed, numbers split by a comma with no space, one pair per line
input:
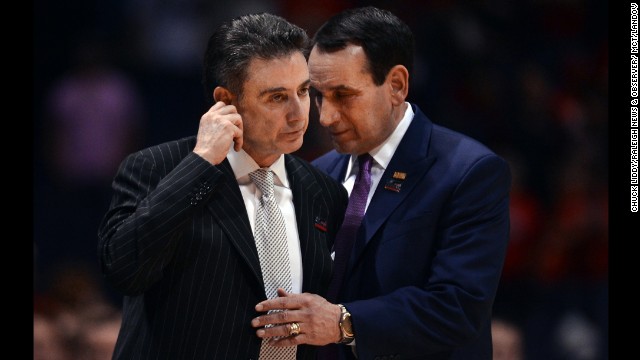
[346,330]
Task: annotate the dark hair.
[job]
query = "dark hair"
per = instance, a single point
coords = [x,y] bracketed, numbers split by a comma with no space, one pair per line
[386,40]
[237,41]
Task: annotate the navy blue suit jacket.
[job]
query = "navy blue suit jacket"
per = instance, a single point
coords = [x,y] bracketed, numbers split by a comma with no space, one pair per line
[178,244]
[427,259]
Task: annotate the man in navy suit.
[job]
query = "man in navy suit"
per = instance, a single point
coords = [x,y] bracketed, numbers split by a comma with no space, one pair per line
[426,263]
[178,238]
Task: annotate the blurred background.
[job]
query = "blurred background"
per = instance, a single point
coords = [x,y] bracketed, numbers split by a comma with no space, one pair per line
[527,78]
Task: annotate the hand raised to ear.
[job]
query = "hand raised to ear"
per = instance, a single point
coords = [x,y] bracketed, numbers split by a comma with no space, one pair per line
[219,127]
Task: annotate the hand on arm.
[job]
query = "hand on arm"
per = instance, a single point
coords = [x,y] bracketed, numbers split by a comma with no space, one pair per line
[317,318]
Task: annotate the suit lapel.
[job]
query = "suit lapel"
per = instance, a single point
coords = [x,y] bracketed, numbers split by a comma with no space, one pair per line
[410,158]
[304,190]
[228,209]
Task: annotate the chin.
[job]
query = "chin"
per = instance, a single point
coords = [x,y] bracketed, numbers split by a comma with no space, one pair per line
[342,148]
[293,146]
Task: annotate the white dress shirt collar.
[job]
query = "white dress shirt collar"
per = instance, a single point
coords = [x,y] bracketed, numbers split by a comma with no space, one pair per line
[242,164]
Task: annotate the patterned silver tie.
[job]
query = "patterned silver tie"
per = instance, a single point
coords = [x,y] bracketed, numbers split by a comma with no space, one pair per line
[271,242]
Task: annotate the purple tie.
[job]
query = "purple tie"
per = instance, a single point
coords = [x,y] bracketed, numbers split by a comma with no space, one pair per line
[346,236]
[345,239]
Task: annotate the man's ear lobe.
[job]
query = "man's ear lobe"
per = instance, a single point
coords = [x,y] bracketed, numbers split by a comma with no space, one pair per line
[223,94]
[398,79]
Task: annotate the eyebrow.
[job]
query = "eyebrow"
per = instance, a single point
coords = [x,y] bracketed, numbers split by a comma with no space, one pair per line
[341,87]
[280,88]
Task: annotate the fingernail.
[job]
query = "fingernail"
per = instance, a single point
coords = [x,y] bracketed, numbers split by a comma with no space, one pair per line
[260,333]
[255,322]
[259,307]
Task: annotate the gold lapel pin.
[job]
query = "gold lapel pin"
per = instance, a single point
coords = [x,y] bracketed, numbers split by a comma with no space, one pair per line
[399,175]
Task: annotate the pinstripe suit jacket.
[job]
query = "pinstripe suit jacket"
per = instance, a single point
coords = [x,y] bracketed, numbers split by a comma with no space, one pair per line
[177,242]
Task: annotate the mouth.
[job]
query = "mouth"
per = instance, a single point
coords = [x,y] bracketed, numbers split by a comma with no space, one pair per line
[338,133]
[295,133]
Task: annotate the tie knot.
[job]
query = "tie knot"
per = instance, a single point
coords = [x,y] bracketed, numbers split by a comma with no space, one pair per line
[364,162]
[263,178]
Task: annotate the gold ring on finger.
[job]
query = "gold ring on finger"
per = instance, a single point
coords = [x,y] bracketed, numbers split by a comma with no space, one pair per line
[294,329]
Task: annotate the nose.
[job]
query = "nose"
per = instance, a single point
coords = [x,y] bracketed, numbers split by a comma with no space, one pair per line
[299,108]
[327,114]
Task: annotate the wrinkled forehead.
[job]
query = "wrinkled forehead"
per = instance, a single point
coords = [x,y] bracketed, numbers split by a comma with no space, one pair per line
[345,67]
[287,72]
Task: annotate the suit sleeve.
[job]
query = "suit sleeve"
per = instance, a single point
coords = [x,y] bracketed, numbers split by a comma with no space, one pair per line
[455,302]
[149,210]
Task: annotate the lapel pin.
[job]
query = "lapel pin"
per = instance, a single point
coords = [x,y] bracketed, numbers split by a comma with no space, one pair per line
[320,224]
[393,185]
[399,175]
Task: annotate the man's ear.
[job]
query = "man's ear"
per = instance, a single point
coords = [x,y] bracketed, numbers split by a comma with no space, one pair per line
[398,80]
[223,94]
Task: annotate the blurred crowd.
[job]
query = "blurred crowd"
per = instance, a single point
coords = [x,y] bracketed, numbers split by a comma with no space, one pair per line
[527,78]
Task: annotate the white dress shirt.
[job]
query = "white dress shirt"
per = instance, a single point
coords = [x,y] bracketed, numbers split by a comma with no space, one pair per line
[242,164]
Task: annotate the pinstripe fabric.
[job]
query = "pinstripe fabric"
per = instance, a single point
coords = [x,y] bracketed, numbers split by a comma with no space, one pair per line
[176,241]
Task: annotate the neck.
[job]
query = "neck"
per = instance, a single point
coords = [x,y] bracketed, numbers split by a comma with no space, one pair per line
[263,160]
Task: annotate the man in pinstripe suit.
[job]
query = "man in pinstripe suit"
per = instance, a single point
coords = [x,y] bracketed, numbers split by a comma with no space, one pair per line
[178,240]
